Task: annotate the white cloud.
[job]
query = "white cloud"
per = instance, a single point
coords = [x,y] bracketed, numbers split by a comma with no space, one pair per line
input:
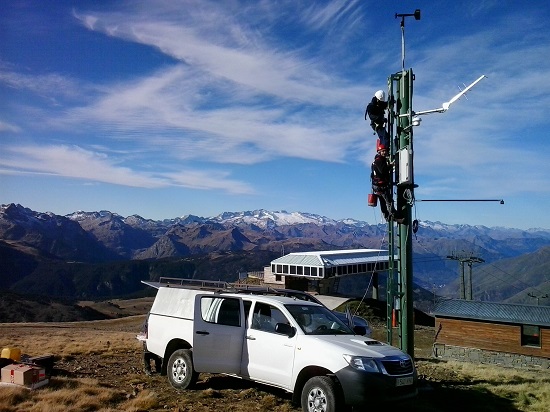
[51,86]
[205,180]
[75,162]
[173,106]
[259,83]
[8,127]
[323,17]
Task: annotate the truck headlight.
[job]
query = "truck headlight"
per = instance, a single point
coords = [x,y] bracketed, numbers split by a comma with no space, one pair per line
[362,363]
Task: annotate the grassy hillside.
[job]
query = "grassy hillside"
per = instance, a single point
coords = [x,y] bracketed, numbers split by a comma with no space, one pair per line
[510,280]
[29,308]
[98,368]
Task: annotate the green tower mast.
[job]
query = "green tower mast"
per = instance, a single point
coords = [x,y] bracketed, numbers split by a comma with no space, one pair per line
[401,117]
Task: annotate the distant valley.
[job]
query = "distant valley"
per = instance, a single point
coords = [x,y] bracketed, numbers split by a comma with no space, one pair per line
[102,255]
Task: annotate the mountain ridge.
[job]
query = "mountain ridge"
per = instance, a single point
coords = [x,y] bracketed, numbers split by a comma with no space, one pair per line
[121,237]
[282,217]
[33,244]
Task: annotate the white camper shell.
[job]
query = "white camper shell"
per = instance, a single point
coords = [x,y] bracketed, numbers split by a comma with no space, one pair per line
[296,345]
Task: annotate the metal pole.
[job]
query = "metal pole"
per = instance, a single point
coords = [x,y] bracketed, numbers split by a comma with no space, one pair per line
[403,44]
[405,196]
[462,282]
[390,287]
[469,294]
[501,201]
[466,284]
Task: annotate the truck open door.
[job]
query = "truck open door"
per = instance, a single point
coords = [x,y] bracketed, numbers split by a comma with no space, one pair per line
[218,333]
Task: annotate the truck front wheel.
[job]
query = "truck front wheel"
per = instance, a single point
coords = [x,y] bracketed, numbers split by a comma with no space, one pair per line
[320,394]
[180,369]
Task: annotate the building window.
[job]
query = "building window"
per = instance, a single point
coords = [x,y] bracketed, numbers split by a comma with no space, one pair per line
[292,269]
[279,269]
[530,335]
[299,270]
[377,266]
[278,278]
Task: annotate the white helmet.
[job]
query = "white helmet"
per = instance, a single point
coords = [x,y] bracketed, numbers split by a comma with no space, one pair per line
[380,95]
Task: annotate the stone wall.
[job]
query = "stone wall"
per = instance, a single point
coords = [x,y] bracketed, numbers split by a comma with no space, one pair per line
[473,355]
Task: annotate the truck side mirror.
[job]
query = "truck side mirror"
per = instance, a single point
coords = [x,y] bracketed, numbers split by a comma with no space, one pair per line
[359,330]
[285,329]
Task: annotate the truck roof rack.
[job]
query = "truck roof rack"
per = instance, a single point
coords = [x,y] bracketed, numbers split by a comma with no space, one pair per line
[189,284]
[221,286]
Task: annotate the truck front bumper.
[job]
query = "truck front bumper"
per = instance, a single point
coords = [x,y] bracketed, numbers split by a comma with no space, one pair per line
[361,387]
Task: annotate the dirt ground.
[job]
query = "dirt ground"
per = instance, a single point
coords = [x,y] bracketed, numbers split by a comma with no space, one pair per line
[108,351]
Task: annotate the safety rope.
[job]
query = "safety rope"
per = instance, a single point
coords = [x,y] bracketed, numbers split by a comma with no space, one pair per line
[382,240]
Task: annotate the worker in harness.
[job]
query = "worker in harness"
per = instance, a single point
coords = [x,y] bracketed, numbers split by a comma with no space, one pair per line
[381,170]
[376,113]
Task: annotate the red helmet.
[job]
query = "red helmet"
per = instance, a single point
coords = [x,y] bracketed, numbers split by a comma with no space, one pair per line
[380,146]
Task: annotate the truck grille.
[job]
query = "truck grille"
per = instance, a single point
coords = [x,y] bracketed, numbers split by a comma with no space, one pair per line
[398,366]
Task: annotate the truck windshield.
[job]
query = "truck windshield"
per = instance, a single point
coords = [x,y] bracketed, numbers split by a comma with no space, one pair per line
[317,320]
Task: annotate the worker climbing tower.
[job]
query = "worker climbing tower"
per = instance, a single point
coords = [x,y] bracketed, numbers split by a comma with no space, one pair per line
[399,290]
[401,121]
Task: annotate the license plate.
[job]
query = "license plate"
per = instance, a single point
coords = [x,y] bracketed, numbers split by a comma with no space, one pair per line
[404,381]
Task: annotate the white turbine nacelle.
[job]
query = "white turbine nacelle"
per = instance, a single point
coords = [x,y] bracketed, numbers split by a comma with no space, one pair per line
[445,106]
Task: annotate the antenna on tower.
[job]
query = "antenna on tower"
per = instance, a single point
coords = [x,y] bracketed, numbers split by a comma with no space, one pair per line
[445,106]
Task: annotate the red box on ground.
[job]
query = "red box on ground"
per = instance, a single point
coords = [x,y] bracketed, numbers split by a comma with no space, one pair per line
[20,374]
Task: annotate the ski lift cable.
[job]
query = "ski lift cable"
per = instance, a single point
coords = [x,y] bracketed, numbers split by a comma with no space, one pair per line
[382,240]
[511,277]
[482,270]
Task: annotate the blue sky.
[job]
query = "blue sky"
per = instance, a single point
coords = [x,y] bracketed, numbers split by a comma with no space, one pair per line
[167,108]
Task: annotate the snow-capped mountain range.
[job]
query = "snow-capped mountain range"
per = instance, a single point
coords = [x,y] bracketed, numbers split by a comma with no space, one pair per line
[31,242]
[134,237]
[260,218]
[269,219]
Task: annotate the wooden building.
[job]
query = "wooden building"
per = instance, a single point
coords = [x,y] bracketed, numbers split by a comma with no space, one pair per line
[489,332]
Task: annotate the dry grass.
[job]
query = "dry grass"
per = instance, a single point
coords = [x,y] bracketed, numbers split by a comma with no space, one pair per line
[111,340]
[75,395]
[526,390]
[91,353]
[60,338]
[117,307]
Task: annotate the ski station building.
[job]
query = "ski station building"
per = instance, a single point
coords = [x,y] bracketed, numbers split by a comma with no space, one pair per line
[321,271]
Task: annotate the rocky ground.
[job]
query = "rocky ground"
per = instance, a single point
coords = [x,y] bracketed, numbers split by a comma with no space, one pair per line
[122,369]
[107,352]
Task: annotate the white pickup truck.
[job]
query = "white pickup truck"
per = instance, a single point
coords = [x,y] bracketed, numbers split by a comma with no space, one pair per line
[299,346]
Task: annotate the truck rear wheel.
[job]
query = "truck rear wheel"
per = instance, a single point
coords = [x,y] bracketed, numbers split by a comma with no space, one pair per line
[320,394]
[181,374]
